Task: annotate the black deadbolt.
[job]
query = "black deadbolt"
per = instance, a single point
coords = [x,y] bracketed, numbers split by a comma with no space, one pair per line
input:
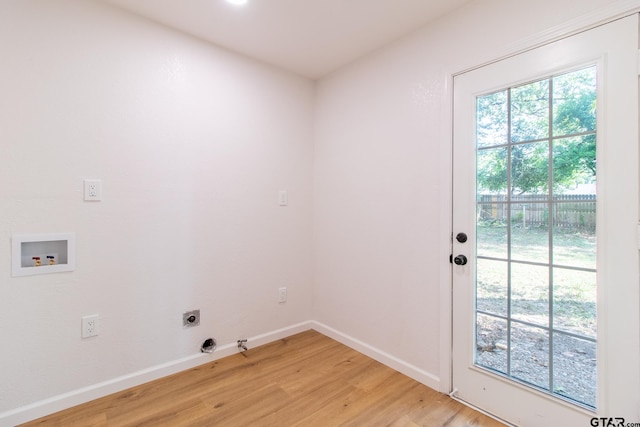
[461,237]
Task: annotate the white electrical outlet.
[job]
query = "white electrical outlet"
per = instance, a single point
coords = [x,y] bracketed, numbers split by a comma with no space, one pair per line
[89,326]
[92,190]
[282,295]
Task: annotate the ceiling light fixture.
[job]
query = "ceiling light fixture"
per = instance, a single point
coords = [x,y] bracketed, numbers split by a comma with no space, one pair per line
[237,2]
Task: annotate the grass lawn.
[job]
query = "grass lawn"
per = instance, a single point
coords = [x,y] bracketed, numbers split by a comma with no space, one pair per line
[549,295]
[573,292]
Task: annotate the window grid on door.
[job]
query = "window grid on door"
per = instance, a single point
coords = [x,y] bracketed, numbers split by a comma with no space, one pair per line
[536,236]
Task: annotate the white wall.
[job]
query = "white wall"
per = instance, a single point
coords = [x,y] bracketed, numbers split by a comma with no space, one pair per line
[192,144]
[383,177]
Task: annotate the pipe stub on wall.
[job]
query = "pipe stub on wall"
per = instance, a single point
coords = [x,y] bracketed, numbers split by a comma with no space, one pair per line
[208,345]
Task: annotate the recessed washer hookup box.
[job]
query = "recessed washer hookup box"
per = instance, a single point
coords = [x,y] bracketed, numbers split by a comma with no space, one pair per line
[42,253]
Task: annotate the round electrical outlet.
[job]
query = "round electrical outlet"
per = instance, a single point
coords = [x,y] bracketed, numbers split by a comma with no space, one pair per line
[191,318]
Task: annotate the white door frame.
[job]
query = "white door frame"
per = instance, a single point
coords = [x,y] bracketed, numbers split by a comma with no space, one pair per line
[583,23]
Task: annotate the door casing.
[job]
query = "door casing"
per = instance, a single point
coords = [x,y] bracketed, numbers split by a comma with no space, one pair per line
[606,402]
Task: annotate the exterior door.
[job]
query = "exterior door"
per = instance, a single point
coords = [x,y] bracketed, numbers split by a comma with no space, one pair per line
[545,217]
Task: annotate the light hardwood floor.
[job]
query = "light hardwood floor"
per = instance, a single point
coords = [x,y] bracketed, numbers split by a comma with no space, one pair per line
[304,380]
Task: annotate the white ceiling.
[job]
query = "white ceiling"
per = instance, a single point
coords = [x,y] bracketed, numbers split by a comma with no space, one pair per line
[309,37]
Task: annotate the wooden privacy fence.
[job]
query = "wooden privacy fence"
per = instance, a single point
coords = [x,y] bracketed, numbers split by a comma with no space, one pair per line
[576,211]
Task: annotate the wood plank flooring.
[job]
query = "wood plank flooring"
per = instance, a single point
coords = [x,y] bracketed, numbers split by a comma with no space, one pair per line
[304,380]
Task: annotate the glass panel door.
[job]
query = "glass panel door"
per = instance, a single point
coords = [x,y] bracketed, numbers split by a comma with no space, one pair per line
[544,324]
[536,234]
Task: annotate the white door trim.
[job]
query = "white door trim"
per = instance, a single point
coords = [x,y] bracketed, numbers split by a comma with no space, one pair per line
[618,348]
[582,23]
[567,29]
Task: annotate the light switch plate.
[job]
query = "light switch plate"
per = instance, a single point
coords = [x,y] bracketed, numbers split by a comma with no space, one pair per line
[283,198]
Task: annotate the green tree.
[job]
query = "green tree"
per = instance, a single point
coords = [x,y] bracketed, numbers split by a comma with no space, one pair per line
[521,116]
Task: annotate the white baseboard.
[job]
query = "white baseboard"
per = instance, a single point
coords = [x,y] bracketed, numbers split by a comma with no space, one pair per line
[86,394]
[393,362]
